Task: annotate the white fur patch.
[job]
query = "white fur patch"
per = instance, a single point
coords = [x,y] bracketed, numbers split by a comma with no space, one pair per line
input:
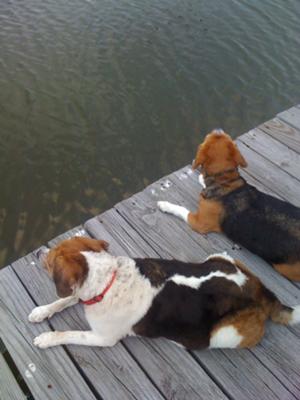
[202,181]
[193,282]
[126,302]
[178,211]
[225,337]
[225,256]
[295,317]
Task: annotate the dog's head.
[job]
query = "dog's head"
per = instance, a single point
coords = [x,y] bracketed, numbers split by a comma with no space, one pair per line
[66,264]
[217,153]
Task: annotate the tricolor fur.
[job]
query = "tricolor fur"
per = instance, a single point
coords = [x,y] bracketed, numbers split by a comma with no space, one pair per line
[265,225]
[217,303]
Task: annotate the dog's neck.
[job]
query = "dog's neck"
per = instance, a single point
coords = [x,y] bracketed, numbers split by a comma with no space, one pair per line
[101,267]
[221,183]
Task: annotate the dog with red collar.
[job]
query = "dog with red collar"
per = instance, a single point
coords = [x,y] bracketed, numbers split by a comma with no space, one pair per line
[214,304]
[263,224]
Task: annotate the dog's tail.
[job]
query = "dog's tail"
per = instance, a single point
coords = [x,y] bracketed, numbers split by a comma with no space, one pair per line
[282,314]
[286,315]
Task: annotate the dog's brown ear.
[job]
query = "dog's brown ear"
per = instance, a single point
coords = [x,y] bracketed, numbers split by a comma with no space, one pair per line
[238,158]
[200,157]
[69,271]
[93,244]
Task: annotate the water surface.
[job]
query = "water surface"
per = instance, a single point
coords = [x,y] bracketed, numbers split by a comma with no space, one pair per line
[98,98]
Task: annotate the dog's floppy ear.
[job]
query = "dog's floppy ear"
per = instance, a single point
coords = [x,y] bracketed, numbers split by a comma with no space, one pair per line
[238,158]
[93,244]
[200,157]
[69,271]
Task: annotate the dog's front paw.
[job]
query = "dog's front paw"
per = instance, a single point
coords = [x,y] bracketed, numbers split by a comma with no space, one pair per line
[38,314]
[202,181]
[46,339]
[165,206]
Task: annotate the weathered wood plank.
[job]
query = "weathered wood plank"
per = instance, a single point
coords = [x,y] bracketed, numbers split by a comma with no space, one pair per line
[108,370]
[49,374]
[282,156]
[77,231]
[9,387]
[272,177]
[282,132]
[173,370]
[291,117]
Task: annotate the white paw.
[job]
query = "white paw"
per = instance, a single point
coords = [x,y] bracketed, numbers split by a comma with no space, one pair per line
[46,339]
[165,206]
[201,181]
[38,314]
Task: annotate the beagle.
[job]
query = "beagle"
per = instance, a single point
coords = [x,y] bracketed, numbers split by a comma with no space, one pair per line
[263,224]
[214,304]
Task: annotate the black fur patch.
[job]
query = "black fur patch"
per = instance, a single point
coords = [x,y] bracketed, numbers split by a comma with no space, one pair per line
[265,225]
[158,270]
[184,314]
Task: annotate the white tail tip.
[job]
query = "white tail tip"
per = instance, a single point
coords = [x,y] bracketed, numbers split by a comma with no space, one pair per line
[295,317]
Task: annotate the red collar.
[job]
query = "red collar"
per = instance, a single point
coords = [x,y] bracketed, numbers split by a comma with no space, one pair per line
[100,296]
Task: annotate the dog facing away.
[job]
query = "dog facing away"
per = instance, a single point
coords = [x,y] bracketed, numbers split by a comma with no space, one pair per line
[263,224]
[214,304]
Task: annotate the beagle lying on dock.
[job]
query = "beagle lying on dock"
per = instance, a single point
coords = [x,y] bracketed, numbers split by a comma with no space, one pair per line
[214,304]
[263,224]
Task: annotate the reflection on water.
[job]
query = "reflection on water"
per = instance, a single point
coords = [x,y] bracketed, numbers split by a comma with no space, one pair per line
[100,97]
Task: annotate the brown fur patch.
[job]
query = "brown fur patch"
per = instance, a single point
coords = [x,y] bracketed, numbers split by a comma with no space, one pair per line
[290,271]
[67,265]
[249,323]
[218,153]
[208,217]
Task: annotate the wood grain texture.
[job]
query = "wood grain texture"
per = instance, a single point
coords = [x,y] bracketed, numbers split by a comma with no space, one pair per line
[277,153]
[172,369]
[273,178]
[9,387]
[282,132]
[291,117]
[108,370]
[77,231]
[49,374]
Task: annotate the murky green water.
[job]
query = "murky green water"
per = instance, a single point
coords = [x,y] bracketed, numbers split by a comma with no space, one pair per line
[100,97]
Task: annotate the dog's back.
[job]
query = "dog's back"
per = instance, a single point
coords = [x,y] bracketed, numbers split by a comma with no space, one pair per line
[263,224]
[218,303]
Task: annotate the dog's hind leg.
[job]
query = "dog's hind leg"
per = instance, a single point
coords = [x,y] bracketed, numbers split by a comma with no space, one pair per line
[242,329]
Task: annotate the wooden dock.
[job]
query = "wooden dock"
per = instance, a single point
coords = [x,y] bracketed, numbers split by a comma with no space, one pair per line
[157,369]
